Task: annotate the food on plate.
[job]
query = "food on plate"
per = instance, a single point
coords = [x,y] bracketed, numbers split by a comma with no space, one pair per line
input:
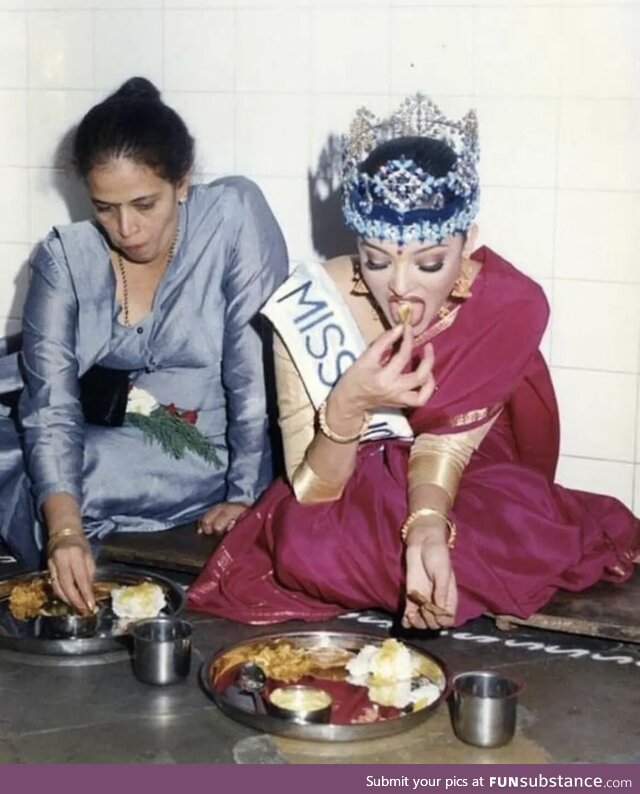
[137,601]
[324,657]
[384,664]
[283,662]
[393,676]
[102,589]
[300,698]
[27,598]
[58,609]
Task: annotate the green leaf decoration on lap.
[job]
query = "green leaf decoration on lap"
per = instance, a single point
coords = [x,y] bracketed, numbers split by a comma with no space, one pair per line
[172,429]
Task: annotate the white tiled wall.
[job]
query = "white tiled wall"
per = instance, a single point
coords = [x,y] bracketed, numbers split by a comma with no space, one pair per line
[263,83]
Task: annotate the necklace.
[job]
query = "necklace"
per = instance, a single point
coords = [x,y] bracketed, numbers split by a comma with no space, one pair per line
[123,276]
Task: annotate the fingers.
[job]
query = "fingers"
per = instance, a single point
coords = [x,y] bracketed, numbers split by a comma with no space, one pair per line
[386,339]
[72,577]
[207,524]
[419,385]
[419,618]
[431,600]
[221,518]
[399,360]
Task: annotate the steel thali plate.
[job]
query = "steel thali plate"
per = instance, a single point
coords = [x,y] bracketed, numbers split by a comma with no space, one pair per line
[112,634]
[218,679]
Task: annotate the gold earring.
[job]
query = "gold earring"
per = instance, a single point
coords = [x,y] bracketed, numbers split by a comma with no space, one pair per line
[359,288]
[461,289]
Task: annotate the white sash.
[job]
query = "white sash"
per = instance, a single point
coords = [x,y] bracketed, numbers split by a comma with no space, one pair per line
[323,340]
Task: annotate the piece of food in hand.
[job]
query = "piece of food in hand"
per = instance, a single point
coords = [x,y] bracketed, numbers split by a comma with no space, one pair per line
[26,599]
[424,603]
[404,313]
[144,600]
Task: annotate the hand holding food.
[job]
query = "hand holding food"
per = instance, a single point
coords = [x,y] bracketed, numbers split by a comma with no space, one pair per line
[432,592]
[72,569]
[379,377]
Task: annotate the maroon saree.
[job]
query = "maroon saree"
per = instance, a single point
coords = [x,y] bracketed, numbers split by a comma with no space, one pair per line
[520,537]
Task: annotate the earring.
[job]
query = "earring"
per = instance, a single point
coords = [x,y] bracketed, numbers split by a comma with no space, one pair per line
[461,289]
[359,288]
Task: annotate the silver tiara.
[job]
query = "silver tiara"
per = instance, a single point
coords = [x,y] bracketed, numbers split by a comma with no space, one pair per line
[402,202]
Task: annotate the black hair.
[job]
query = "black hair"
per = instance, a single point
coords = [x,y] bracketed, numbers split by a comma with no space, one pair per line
[433,156]
[135,123]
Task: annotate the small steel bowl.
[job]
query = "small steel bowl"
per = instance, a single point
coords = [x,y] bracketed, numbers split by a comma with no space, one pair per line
[59,621]
[298,711]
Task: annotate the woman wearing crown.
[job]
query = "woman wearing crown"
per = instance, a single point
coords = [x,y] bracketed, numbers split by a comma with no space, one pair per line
[418,416]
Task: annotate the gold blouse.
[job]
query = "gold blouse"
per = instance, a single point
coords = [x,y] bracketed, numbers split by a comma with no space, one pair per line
[436,459]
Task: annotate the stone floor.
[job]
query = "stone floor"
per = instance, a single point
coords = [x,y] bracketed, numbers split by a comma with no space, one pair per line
[580,704]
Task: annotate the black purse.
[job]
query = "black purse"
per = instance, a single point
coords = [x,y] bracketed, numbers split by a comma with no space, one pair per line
[103,395]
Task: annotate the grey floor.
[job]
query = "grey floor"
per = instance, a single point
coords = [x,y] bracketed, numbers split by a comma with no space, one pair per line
[580,704]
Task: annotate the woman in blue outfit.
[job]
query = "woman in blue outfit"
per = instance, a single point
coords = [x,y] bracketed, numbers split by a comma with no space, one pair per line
[165,285]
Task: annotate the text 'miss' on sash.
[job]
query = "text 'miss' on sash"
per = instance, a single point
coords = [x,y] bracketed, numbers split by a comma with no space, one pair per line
[323,340]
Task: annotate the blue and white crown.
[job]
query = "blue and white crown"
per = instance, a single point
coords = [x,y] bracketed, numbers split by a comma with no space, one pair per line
[401,202]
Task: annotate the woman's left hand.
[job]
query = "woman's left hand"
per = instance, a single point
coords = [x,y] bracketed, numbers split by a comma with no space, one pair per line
[221,517]
[430,578]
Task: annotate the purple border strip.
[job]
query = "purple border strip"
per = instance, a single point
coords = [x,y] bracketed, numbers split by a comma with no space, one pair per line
[320,778]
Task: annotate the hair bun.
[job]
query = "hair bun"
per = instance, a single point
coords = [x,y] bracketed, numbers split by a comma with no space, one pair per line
[137,88]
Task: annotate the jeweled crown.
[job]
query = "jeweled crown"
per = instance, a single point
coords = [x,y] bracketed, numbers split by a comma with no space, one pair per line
[402,202]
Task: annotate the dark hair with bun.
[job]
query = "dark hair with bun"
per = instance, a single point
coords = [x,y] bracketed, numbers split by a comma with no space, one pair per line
[433,156]
[135,123]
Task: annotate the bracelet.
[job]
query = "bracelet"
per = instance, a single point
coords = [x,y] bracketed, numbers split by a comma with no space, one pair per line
[67,532]
[429,511]
[328,432]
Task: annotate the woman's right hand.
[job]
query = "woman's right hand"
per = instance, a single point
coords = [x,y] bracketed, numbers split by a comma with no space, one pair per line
[72,571]
[377,378]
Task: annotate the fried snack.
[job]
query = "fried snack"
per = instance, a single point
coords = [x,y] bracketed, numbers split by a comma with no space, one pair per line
[404,313]
[283,661]
[27,599]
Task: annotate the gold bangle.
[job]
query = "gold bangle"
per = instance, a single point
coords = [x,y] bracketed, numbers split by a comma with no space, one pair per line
[57,537]
[328,432]
[429,511]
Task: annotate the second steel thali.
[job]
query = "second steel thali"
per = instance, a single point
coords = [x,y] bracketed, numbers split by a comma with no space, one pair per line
[111,634]
[350,703]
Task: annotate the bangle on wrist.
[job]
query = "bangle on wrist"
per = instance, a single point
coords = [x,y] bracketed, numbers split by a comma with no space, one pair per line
[57,537]
[329,433]
[424,512]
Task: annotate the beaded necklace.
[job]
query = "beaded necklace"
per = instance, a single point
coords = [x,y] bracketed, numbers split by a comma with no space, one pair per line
[123,276]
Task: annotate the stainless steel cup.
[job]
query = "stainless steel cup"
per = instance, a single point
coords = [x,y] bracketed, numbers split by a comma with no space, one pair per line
[161,650]
[484,706]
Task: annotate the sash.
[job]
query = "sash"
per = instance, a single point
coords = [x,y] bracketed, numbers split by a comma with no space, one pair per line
[324,340]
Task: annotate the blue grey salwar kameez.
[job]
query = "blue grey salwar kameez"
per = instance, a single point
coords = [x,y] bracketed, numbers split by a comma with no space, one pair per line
[199,348]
